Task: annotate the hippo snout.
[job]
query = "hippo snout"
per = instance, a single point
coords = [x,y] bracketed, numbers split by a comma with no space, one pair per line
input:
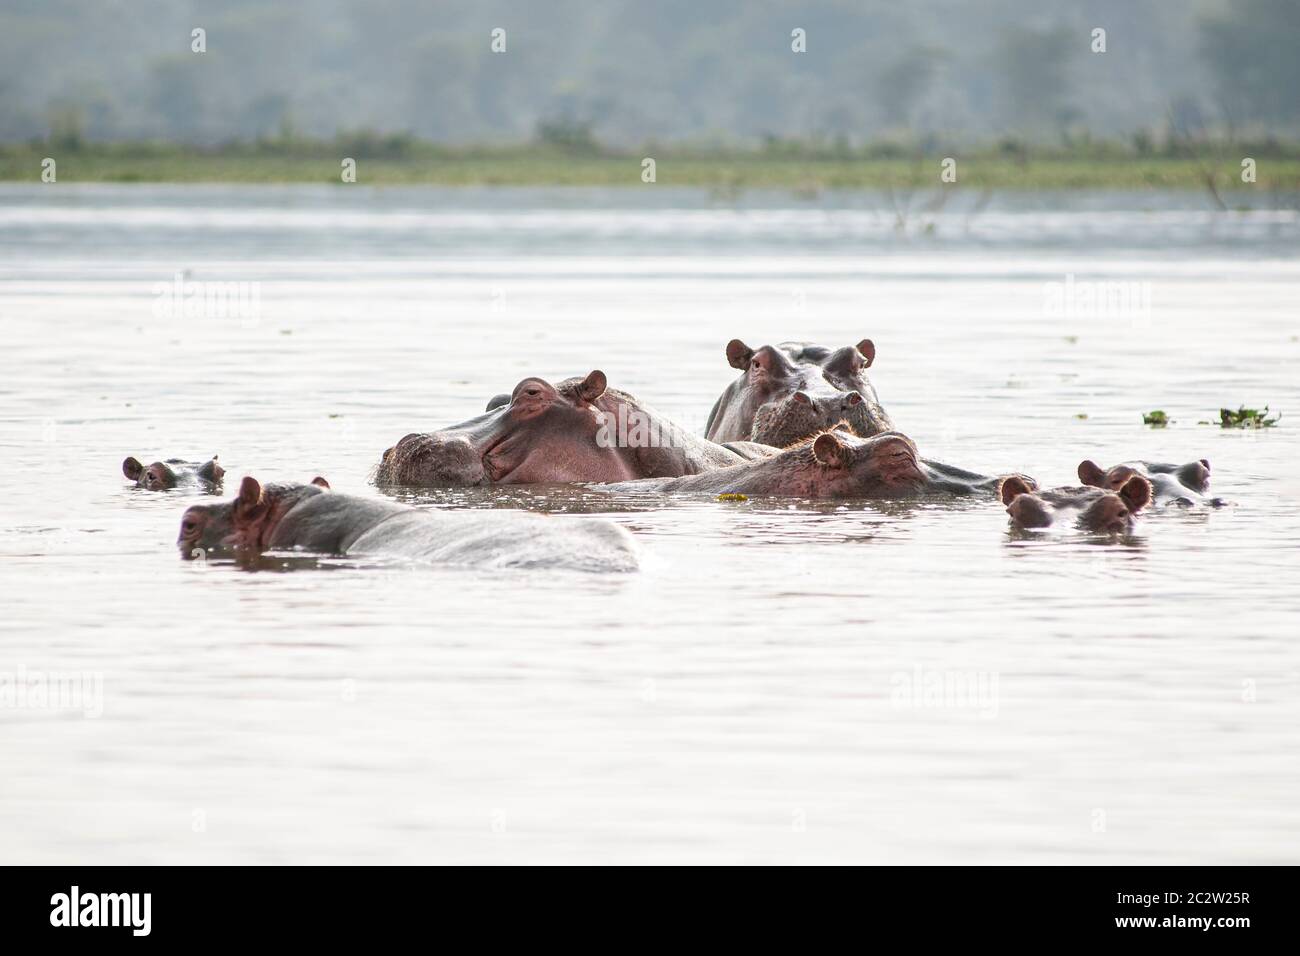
[1029,511]
[829,409]
[802,413]
[895,457]
[895,442]
[432,461]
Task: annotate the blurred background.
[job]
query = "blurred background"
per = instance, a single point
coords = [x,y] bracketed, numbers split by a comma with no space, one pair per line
[388,75]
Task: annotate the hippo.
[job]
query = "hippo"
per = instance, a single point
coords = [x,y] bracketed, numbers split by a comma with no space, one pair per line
[834,464]
[1096,510]
[794,390]
[310,517]
[578,430]
[165,475]
[1183,485]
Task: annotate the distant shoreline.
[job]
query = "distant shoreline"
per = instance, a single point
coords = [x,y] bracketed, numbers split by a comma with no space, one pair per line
[801,169]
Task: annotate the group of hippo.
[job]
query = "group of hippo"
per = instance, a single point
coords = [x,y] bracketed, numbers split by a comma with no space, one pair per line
[799,421]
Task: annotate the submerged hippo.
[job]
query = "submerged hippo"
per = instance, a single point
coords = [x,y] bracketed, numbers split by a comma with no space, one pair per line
[284,517]
[1170,484]
[834,464]
[792,391]
[578,430]
[1090,509]
[164,475]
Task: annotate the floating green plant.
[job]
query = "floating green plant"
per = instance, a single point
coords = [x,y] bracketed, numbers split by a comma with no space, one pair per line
[733,496]
[1156,419]
[1245,417]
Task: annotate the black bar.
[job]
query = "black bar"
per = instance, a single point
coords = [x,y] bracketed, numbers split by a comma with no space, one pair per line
[988,905]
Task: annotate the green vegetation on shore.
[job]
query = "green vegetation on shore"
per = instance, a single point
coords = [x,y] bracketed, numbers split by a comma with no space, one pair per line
[800,167]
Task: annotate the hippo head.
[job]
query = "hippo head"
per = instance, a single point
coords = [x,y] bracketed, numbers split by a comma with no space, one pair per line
[243,524]
[164,475]
[1102,512]
[1194,475]
[156,477]
[849,466]
[551,433]
[790,392]
[543,433]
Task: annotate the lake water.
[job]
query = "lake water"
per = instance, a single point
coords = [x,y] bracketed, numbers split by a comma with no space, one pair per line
[782,682]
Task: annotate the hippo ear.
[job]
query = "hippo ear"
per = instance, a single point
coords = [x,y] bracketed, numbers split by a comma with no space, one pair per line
[1206,463]
[868,350]
[592,387]
[320,482]
[739,354]
[1091,473]
[250,493]
[829,449]
[1013,486]
[132,468]
[1136,493]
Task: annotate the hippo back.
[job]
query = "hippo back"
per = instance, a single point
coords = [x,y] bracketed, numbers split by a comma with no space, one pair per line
[501,539]
[330,523]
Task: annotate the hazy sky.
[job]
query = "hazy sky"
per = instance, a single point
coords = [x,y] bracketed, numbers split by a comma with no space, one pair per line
[637,71]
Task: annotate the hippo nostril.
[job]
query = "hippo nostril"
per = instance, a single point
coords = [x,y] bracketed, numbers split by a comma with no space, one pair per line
[802,398]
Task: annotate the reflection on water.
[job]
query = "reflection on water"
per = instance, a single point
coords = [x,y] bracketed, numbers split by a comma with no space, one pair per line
[780,680]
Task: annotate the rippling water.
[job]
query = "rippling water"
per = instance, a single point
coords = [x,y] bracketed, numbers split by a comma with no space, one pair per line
[782,681]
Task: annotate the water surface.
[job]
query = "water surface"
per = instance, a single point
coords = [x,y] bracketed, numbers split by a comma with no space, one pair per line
[783,681]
